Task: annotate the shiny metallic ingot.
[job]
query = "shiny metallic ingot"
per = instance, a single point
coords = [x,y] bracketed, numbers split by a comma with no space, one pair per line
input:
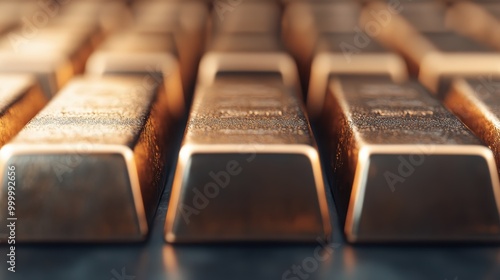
[54,54]
[335,55]
[431,49]
[20,99]
[90,165]
[476,102]
[247,53]
[248,168]
[151,56]
[304,22]
[404,168]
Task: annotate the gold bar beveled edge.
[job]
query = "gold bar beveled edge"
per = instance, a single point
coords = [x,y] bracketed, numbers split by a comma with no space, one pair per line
[213,62]
[96,64]
[359,184]
[435,64]
[324,64]
[10,150]
[188,150]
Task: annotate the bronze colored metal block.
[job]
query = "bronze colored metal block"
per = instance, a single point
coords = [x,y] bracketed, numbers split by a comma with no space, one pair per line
[305,22]
[421,34]
[336,55]
[401,163]
[54,54]
[247,53]
[20,99]
[248,167]
[152,56]
[476,102]
[186,20]
[90,166]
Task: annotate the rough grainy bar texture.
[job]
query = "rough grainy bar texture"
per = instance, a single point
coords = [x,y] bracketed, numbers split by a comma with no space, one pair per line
[20,99]
[476,102]
[91,163]
[239,110]
[248,169]
[400,162]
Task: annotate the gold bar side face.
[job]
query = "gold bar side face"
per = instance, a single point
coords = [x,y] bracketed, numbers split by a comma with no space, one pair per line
[89,167]
[399,162]
[21,98]
[248,168]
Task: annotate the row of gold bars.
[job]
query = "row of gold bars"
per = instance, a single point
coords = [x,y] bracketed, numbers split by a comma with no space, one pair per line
[403,96]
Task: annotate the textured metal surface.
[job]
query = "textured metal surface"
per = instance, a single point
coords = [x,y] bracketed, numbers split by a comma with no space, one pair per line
[248,167]
[90,164]
[247,53]
[65,50]
[248,109]
[431,48]
[400,161]
[20,99]
[476,101]
[337,54]
[153,57]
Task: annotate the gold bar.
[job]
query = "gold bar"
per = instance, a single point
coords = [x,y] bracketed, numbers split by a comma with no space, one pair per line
[247,53]
[90,166]
[20,99]
[335,56]
[152,56]
[432,50]
[186,20]
[306,22]
[248,168]
[475,101]
[54,54]
[401,163]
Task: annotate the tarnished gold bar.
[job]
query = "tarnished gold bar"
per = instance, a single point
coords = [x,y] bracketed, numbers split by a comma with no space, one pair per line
[248,168]
[152,56]
[247,53]
[336,55]
[475,101]
[54,54]
[432,49]
[90,166]
[401,163]
[20,99]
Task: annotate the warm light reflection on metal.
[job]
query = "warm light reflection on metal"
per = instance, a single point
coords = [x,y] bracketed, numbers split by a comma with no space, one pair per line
[253,128]
[54,55]
[20,99]
[153,57]
[99,155]
[398,157]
